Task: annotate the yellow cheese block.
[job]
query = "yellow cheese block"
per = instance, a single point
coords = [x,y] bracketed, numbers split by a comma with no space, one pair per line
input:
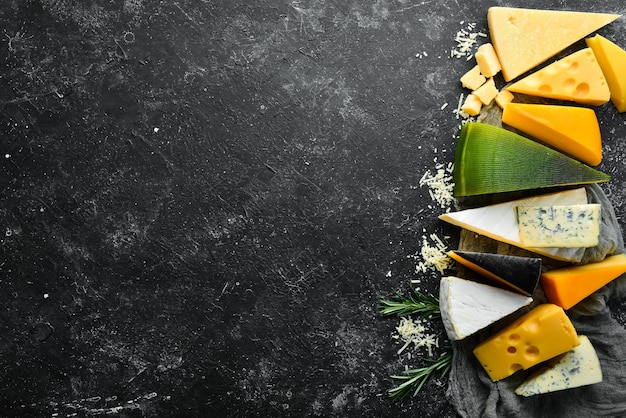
[487,60]
[567,286]
[572,130]
[577,77]
[524,38]
[612,60]
[473,78]
[539,335]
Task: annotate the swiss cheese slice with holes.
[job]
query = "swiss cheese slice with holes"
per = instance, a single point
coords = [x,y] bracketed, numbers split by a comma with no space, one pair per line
[577,78]
[524,38]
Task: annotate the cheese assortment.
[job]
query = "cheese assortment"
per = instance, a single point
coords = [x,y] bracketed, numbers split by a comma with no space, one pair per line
[572,130]
[578,367]
[564,144]
[541,334]
[563,226]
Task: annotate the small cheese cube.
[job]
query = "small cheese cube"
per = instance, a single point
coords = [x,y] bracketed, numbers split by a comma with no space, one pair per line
[503,98]
[566,286]
[487,60]
[487,92]
[473,79]
[541,334]
[576,368]
[567,226]
[472,105]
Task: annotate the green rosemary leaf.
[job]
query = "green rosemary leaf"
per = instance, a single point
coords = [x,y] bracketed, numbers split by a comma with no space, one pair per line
[416,303]
[415,379]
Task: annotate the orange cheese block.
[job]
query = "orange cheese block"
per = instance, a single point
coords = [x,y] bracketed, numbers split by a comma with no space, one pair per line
[612,60]
[572,130]
[567,286]
[577,77]
[539,335]
[524,38]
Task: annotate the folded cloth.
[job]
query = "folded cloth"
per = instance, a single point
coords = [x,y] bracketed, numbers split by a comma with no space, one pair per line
[473,393]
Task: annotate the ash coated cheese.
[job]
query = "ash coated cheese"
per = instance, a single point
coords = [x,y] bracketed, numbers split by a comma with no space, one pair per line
[468,306]
[541,334]
[524,38]
[578,367]
[567,226]
[577,77]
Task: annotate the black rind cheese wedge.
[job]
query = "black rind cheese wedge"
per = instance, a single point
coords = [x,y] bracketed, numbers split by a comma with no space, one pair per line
[520,274]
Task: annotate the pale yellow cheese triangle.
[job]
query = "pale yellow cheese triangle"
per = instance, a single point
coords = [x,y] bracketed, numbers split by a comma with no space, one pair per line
[524,38]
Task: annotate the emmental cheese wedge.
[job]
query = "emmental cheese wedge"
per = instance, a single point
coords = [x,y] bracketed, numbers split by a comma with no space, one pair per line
[612,60]
[518,274]
[570,129]
[467,306]
[577,78]
[578,367]
[568,226]
[567,286]
[498,221]
[489,159]
[541,334]
[524,38]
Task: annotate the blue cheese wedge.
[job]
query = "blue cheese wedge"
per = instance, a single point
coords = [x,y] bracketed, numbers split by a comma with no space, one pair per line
[578,367]
[567,226]
[467,306]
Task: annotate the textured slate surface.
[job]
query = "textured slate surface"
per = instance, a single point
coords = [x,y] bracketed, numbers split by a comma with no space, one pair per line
[203,202]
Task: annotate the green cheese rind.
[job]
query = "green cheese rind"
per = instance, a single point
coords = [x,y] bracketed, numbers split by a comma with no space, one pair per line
[489,159]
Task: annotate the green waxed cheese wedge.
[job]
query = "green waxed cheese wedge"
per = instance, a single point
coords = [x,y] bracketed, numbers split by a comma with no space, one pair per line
[490,159]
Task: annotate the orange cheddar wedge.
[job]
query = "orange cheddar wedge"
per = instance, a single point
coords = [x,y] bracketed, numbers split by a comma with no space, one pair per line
[577,77]
[572,130]
[567,286]
[524,38]
[612,60]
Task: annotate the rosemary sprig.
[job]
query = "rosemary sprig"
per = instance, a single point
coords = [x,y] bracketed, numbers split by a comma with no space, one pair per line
[417,303]
[415,379]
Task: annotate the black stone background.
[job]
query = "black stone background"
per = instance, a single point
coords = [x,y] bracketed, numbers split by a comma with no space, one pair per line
[202,202]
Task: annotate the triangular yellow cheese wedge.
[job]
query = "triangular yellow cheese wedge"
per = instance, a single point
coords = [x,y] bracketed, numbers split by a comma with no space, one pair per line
[577,77]
[612,60]
[573,130]
[524,38]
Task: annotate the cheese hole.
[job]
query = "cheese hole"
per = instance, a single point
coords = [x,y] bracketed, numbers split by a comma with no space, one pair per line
[545,88]
[573,67]
[515,367]
[532,351]
[569,83]
[513,338]
[511,350]
[582,90]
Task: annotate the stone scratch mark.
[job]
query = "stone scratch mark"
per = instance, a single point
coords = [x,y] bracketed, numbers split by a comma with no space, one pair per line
[405,9]
[193,22]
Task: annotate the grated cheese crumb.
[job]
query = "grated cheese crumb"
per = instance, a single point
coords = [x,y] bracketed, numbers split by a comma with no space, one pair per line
[466,39]
[433,256]
[440,185]
[414,331]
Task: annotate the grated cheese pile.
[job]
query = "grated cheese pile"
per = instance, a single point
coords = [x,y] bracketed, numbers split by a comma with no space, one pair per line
[440,185]
[414,331]
[433,256]
[465,41]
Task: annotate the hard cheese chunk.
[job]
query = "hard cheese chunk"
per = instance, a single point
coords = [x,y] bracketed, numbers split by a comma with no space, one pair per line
[567,286]
[569,129]
[487,92]
[568,226]
[578,367]
[468,306]
[473,79]
[541,334]
[519,274]
[489,159]
[524,38]
[498,221]
[577,77]
[612,60]
[487,60]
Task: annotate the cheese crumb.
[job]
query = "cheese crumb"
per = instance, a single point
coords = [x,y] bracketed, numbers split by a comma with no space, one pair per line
[414,331]
[465,41]
[433,256]
[440,185]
